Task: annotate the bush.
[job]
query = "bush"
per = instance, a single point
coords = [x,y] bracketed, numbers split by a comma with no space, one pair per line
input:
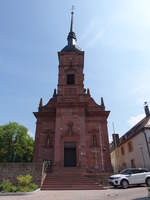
[33,186]
[24,184]
[24,180]
[7,186]
[29,188]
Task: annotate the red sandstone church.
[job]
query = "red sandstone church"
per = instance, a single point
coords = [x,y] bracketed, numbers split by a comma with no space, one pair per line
[71,129]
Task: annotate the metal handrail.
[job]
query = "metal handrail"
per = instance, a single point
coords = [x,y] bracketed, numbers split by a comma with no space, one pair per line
[47,167]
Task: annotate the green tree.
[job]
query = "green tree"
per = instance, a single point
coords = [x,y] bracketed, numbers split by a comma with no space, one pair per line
[16,145]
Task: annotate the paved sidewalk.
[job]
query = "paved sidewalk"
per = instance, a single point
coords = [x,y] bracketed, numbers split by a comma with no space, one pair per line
[139,193]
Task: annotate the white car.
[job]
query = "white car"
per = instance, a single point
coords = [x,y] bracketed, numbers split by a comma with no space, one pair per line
[131,176]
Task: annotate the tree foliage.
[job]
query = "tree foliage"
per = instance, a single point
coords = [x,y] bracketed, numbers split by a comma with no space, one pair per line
[15,143]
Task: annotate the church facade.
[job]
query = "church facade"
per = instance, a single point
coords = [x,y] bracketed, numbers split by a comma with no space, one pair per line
[71,129]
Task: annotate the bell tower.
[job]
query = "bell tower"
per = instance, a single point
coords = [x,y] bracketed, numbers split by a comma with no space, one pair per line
[71,62]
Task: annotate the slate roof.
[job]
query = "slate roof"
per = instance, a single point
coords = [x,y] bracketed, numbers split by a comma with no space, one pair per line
[135,130]
[144,123]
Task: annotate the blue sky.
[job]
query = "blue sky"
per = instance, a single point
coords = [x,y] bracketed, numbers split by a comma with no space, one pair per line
[115,36]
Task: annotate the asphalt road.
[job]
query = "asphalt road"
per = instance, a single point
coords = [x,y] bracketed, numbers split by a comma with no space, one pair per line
[136,193]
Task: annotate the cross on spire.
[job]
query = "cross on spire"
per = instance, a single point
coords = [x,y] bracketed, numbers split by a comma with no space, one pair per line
[72,45]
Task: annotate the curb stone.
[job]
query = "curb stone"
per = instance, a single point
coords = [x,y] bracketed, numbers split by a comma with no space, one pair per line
[18,193]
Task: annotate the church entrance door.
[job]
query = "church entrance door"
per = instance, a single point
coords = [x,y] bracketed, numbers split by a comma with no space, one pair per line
[69,154]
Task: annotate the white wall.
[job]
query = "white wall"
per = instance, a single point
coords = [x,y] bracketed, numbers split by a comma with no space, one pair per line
[140,152]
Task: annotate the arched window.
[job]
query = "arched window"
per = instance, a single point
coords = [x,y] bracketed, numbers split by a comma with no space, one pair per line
[94,140]
[48,142]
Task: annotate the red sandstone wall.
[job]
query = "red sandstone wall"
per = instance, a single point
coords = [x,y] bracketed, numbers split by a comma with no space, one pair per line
[73,104]
[12,170]
[45,131]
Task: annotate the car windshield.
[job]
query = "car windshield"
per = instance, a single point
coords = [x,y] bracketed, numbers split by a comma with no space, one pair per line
[125,171]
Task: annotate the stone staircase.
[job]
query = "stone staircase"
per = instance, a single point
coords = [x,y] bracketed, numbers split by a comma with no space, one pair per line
[69,179]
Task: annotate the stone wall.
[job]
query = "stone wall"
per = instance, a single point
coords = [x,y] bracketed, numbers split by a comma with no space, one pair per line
[12,170]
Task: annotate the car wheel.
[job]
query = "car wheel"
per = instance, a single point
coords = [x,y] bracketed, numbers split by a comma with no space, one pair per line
[124,184]
[148,182]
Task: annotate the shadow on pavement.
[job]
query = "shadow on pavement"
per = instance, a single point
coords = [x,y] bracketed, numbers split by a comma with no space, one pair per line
[130,187]
[144,198]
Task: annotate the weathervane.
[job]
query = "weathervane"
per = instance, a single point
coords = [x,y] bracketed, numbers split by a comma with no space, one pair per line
[72,10]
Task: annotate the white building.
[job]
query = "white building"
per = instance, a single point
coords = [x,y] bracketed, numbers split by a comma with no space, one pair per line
[133,148]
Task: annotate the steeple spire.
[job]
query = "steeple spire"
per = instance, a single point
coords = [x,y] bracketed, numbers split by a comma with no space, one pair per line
[72,13]
[71,36]
[71,46]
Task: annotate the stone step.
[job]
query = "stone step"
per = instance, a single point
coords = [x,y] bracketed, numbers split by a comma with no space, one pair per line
[70,183]
[71,179]
[71,187]
[74,187]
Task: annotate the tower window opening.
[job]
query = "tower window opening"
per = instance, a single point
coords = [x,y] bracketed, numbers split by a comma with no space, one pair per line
[70,79]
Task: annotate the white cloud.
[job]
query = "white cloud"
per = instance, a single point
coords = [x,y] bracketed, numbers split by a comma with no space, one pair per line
[135,119]
[96,38]
[135,13]
[128,26]
[90,28]
[30,133]
[93,33]
[140,89]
